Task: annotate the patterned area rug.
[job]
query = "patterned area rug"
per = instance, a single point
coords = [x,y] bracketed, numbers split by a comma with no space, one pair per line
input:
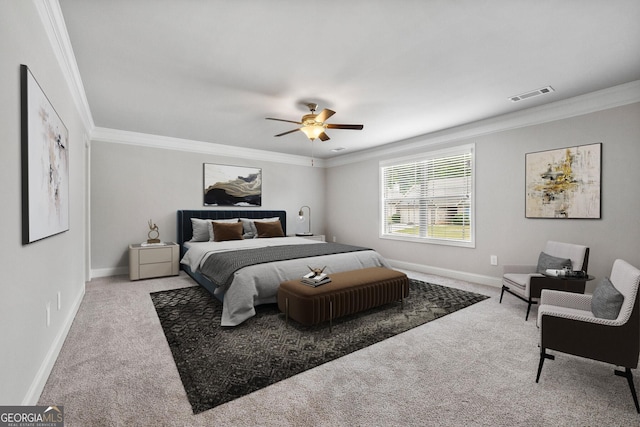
[218,364]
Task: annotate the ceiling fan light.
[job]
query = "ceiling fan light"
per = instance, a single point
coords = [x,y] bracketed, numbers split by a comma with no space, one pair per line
[312,131]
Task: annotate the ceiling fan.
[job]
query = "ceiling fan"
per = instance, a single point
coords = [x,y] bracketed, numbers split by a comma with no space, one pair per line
[313,125]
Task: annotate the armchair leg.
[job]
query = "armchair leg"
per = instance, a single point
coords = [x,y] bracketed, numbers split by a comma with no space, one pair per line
[502,293]
[629,376]
[543,355]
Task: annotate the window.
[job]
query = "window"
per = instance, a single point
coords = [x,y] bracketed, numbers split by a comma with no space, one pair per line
[429,198]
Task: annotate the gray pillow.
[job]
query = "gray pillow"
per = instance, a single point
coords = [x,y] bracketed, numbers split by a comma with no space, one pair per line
[606,301]
[546,261]
[200,229]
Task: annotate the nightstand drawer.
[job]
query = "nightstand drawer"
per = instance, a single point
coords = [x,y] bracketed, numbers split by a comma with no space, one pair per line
[150,256]
[155,270]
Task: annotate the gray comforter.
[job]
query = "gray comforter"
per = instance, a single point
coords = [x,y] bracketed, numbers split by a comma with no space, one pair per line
[220,267]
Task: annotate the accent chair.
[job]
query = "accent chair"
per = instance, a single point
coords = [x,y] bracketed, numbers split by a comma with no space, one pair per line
[604,326]
[527,281]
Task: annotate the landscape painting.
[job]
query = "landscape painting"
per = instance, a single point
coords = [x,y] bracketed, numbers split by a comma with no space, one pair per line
[564,183]
[226,185]
[45,164]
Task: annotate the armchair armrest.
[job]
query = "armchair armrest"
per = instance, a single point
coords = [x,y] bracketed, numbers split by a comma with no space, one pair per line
[572,306]
[566,299]
[519,269]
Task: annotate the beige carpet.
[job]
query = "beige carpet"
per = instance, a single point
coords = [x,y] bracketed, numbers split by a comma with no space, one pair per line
[476,366]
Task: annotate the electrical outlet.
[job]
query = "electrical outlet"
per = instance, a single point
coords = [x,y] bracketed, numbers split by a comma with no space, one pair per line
[334,239]
[494,259]
[48,314]
[59,301]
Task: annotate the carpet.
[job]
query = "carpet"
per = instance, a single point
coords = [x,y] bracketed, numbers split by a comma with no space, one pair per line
[218,364]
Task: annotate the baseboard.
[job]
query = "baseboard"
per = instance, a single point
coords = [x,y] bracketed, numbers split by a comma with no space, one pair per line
[35,390]
[454,274]
[106,272]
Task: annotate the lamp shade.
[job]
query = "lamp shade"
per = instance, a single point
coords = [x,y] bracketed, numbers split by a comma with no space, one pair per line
[312,131]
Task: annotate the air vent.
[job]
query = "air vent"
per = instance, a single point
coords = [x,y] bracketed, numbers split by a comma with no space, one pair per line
[531,94]
[335,150]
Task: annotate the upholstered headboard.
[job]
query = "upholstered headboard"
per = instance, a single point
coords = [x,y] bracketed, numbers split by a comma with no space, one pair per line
[185,232]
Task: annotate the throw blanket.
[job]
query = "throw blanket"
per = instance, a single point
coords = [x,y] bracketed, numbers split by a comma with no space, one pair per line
[219,267]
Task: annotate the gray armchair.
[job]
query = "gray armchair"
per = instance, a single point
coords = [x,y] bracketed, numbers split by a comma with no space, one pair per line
[567,324]
[526,283]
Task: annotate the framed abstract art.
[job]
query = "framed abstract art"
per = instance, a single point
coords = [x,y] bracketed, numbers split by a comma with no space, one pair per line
[226,185]
[564,183]
[45,164]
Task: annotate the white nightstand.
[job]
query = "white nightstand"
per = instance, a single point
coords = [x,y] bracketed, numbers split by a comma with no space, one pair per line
[318,237]
[146,261]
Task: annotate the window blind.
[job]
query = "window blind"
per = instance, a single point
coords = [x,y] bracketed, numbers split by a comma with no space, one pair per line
[430,197]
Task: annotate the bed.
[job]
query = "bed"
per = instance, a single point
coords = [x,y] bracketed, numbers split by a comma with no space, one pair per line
[214,265]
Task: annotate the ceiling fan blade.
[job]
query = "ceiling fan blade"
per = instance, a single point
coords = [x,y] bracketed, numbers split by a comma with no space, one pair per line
[283,120]
[324,115]
[324,137]
[286,133]
[352,127]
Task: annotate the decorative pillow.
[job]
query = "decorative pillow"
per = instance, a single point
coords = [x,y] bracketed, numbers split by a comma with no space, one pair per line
[606,301]
[269,229]
[227,231]
[200,229]
[212,237]
[546,261]
[250,231]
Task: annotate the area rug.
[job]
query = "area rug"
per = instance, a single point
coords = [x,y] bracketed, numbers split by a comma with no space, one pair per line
[218,364]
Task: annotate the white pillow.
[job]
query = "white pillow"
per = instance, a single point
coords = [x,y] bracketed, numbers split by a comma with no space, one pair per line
[250,231]
[211,235]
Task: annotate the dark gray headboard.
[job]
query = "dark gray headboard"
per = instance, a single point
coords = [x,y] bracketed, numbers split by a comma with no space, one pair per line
[185,231]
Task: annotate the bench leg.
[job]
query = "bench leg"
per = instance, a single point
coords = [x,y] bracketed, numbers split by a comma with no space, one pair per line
[330,316]
[286,310]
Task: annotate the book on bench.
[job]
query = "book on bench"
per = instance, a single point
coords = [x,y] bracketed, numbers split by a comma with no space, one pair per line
[313,279]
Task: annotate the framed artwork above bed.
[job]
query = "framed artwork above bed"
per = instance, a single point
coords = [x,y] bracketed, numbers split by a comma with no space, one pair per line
[226,185]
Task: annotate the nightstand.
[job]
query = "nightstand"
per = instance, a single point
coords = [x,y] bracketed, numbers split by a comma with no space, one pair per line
[146,261]
[318,237]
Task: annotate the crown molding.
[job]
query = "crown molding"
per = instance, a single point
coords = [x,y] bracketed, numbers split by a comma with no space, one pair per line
[53,23]
[604,99]
[188,145]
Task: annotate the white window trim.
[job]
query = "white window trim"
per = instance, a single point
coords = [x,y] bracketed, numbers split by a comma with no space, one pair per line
[416,158]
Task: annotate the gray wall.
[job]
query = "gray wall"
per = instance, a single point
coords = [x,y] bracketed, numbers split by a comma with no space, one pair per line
[501,228]
[131,184]
[33,274]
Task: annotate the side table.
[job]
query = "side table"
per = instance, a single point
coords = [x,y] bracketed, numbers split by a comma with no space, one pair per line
[559,283]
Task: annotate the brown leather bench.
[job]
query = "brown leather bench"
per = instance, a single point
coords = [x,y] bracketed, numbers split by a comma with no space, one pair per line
[348,292]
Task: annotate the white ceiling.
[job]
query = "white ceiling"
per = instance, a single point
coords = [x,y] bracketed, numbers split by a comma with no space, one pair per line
[212,70]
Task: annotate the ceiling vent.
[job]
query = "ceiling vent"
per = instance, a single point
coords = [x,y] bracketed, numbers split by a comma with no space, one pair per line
[532,94]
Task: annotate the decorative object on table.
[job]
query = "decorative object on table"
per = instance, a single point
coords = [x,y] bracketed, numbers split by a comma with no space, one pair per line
[45,164]
[315,277]
[215,366]
[226,185]
[153,229]
[301,220]
[564,183]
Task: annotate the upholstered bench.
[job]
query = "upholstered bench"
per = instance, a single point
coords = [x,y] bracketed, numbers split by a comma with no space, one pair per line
[348,292]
